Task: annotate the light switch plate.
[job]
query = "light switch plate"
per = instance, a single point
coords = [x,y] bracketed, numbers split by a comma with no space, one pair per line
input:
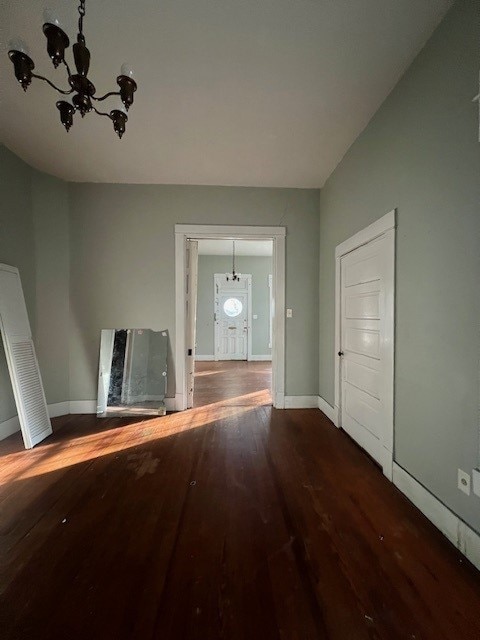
[289,313]
[255,317]
[476,482]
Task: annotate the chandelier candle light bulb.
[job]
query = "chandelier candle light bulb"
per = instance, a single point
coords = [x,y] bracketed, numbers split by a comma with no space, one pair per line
[84,91]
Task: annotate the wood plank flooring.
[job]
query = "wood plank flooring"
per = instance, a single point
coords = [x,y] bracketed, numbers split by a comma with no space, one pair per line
[229,522]
[238,382]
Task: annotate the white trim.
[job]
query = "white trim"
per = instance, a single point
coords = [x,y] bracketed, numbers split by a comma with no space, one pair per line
[229,232]
[374,230]
[12,425]
[328,410]
[204,358]
[9,427]
[385,226]
[270,311]
[301,402]
[277,234]
[59,409]
[466,539]
[261,358]
[83,406]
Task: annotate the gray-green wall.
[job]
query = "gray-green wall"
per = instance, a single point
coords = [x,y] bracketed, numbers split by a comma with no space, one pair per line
[16,248]
[123,265]
[260,267]
[34,238]
[421,155]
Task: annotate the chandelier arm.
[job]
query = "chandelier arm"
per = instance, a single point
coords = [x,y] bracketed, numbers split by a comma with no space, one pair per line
[67,67]
[107,95]
[65,93]
[100,113]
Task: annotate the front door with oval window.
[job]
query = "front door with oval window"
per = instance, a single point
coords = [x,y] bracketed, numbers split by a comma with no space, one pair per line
[231,313]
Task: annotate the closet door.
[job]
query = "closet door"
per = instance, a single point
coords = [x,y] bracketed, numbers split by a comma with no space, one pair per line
[22,360]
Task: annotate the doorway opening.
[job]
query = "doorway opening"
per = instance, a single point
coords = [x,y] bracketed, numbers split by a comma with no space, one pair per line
[230,285]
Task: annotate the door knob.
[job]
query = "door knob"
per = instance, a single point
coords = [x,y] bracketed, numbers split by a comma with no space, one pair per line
[340,353]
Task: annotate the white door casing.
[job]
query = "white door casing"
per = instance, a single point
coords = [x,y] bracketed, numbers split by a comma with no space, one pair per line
[191,315]
[270,311]
[22,360]
[364,344]
[232,317]
[184,232]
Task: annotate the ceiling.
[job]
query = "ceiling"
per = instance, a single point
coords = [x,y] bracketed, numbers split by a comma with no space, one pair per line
[231,92]
[242,247]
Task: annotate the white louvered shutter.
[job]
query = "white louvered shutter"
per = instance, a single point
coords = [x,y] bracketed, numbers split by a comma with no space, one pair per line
[22,360]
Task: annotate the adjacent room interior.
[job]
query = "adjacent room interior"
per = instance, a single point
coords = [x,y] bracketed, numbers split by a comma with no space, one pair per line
[234,322]
[239,318]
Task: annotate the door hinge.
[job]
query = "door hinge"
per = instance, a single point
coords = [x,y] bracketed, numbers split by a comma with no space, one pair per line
[190,352]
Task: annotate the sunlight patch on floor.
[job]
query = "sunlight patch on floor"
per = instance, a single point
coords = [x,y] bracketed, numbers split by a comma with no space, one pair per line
[58,455]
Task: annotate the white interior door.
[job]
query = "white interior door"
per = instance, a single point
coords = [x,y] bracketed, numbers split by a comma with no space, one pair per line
[366,346]
[191,316]
[232,316]
[22,360]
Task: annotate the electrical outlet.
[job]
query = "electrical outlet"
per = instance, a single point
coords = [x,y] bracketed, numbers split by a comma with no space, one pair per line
[289,313]
[476,482]
[463,481]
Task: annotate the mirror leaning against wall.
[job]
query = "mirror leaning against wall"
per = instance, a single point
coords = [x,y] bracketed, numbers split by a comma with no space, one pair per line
[132,376]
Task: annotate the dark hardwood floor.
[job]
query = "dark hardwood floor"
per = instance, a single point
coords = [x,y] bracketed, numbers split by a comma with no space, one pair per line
[229,522]
[238,382]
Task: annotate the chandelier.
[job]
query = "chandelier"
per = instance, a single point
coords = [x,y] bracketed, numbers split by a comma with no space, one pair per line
[235,276]
[82,88]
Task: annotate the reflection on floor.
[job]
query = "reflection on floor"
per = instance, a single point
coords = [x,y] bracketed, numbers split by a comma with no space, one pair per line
[223,522]
[232,382]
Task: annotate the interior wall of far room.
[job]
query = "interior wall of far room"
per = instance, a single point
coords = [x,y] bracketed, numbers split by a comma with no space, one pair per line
[123,265]
[260,267]
[421,155]
[34,238]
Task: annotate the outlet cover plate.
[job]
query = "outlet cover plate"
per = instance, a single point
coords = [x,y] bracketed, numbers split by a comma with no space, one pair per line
[476,482]
[463,481]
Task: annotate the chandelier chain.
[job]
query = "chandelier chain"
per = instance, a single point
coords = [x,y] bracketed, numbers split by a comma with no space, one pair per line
[81,11]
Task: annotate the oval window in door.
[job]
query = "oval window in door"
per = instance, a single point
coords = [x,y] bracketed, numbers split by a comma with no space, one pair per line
[232,307]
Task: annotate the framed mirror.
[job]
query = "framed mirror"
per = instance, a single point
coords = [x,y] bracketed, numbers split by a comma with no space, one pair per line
[132,378]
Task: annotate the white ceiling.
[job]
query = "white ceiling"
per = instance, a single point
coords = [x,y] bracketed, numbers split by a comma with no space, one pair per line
[231,92]
[242,247]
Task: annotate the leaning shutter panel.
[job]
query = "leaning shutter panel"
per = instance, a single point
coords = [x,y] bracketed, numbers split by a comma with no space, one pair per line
[22,360]
[30,387]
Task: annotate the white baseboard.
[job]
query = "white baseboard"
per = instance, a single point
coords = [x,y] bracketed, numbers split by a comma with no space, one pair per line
[466,539]
[204,358]
[328,410]
[279,401]
[256,358]
[301,402]
[11,426]
[59,409]
[83,406]
[8,427]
